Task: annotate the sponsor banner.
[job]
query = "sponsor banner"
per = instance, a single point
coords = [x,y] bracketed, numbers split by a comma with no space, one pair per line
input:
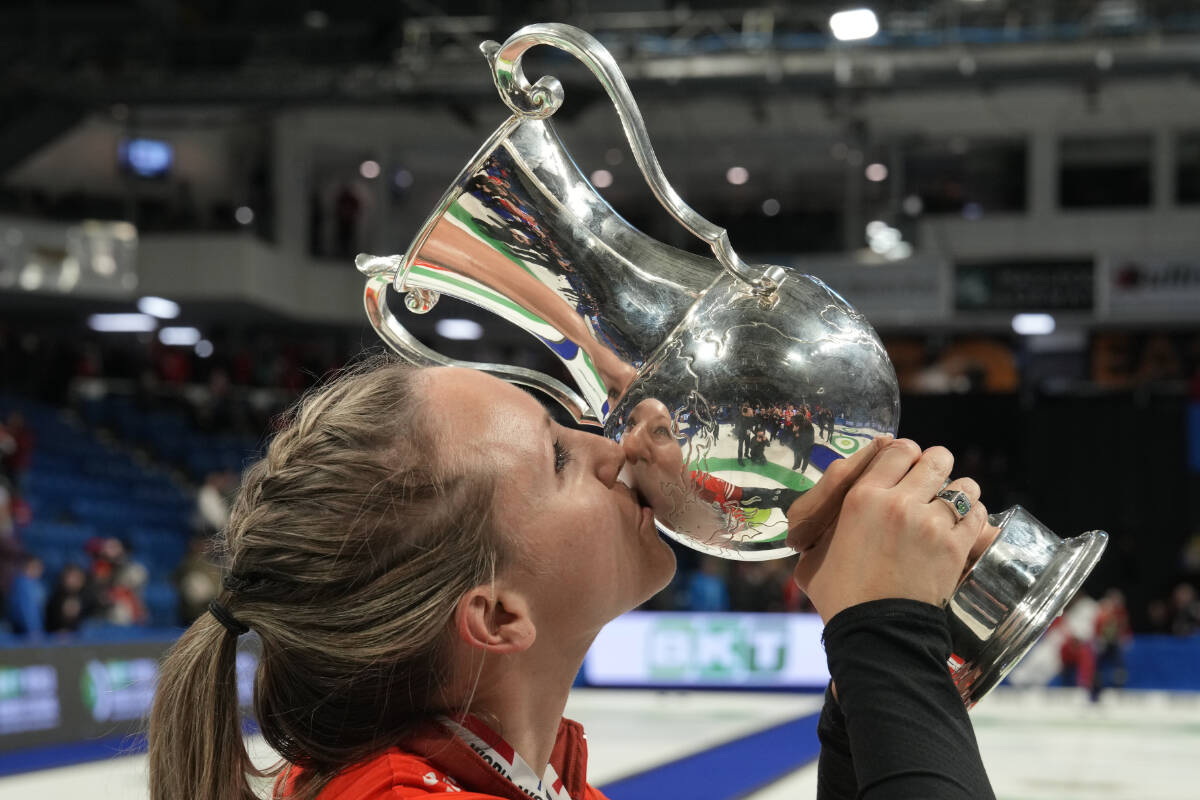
[1050,284]
[87,691]
[709,650]
[1155,288]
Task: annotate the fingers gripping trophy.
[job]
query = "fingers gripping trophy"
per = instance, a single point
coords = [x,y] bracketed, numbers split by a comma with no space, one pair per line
[734,387]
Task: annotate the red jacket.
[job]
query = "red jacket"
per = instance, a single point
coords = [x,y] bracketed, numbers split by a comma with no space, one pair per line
[435,761]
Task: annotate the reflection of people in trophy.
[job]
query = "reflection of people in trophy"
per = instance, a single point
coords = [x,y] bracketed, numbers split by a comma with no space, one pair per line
[757,446]
[742,425]
[654,460]
[500,544]
[826,417]
[802,441]
[449,246]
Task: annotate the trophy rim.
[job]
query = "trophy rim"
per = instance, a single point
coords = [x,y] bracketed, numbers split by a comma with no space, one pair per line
[1028,621]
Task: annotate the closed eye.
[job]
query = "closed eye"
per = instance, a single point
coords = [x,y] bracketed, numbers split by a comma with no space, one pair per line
[562,456]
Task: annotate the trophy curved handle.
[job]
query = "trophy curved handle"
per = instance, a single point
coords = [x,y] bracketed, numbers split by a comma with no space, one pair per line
[541,99]
[381,272]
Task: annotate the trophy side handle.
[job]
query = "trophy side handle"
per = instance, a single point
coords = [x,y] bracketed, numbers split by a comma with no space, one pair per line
[541,99]
[400,339]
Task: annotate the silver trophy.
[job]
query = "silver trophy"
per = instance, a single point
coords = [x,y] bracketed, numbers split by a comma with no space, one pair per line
[733,385]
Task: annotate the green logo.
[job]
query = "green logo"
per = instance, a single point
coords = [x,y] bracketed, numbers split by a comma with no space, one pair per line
[716,649]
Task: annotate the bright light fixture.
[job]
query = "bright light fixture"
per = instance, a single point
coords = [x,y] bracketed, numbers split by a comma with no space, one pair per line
[1033,324]
[876,172]
[204,348]
[158,307]
[31,276]
[858,23]
[602,179]
[737,175]
[122,323]
[369,169]
[182,337]
[462,329]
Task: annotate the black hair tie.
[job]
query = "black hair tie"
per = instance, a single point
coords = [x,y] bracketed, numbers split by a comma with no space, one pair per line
[227,619]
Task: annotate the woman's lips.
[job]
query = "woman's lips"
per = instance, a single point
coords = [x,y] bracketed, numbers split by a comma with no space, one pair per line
[625,476]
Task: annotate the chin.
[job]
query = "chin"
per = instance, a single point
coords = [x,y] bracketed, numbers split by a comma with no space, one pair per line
[662,576]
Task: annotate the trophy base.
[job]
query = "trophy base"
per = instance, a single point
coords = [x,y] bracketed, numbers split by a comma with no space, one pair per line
[1011,596]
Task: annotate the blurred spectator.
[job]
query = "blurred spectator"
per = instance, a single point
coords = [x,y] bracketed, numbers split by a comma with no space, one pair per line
[1190,555]
[706,587]
[27,599]
[126,606]
[118,582]
[1159,616]
[1113,636]
[212,501]
[6,511]
[8,448]
[1076,655]
[71,601]
[198,579]
[107,556]
[217,411]
[1185,610]
[17,462]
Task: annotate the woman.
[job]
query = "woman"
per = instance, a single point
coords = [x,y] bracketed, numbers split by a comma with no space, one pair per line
[426,557]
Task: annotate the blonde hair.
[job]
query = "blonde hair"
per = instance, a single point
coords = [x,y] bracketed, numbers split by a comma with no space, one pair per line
[351,546]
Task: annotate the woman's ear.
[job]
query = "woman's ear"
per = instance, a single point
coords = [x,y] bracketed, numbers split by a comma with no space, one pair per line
[495,620]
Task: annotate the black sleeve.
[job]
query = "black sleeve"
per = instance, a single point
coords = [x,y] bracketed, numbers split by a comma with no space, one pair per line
[898,728]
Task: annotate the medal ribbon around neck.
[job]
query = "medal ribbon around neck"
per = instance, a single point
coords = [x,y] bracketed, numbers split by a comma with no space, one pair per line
[501,756]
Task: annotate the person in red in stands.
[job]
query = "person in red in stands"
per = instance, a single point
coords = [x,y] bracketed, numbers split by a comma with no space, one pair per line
[425,557]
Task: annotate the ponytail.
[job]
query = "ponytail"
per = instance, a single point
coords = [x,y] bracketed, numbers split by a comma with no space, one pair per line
[351,551]
[196,748]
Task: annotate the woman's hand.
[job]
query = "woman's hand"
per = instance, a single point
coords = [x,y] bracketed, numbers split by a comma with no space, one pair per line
[890,536]
[815,513]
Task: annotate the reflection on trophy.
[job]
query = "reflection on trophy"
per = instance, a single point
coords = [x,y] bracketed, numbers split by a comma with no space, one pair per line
[732,387]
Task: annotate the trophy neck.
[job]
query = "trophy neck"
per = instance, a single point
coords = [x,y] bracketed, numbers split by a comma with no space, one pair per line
[522,233]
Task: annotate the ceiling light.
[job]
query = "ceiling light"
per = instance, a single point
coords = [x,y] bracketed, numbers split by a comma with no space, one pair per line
[737,175]
[158,307]
[602,179]
[1033,324]
[369,169]
[858,23]
[876,172]
[181,337]
[122,323]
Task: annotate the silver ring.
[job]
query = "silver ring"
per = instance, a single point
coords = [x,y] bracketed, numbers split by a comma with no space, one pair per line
[958,501]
